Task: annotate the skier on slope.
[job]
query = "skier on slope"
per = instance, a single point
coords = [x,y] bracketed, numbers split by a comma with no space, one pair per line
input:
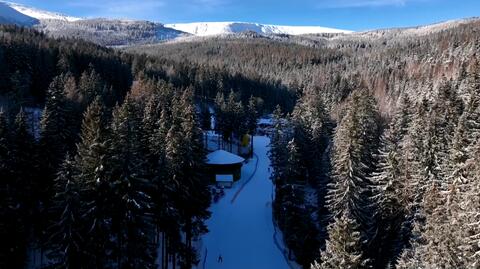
[220,258]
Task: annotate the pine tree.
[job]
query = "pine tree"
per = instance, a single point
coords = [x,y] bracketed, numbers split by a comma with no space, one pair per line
[155,127]
[472,207]
[91,164]
[446,111]
[294,169]
[391,195]
[196,196]
[131,187]
[174,158]
[66,235]
[344,247]
[355,142]
[422,156]
[236,112]
[90,86]
[252,115]
[312,131]
[220,113]
[21,189]
[435,243]
[56,136]
[7,203]
[4,151]
[278,151]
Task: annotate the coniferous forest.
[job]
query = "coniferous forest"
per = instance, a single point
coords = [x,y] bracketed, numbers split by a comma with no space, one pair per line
[375,147]
[375,159]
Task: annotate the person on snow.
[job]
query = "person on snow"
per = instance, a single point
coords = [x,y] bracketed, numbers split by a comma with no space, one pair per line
[220,258]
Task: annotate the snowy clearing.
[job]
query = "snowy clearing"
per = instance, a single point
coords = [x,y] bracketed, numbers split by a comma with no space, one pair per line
[241,226]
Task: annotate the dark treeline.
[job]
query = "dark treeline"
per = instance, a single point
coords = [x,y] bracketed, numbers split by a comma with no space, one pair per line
[115,169]
[207,81]
[29,61]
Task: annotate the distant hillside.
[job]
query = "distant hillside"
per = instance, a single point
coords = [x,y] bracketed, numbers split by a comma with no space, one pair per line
[221,28]
[105,32]
[388,62]
[114,32]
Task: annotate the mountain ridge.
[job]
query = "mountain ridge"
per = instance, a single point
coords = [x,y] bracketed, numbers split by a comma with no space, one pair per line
[219,28]
[194,28]
[129,32]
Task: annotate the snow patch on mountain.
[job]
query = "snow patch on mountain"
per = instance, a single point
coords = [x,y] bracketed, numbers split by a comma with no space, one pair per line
[9,15]
[220,28]
[39,14]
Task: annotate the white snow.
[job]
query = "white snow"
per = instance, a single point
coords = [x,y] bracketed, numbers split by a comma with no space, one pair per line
[219,28]
[11,15]
[241,226]
[223,157]
[40,14]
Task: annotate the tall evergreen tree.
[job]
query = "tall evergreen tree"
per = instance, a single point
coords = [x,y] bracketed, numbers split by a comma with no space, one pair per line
[21,189]
[90,86]
[252,115]
[56,136]
[91,164]
[294,169]
[66,239]
[392,199]
[344,246]
[355,142]
[8,220]
[278,151]
[131,216]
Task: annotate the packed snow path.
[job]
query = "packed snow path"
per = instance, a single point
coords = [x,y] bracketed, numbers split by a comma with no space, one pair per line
[241,227]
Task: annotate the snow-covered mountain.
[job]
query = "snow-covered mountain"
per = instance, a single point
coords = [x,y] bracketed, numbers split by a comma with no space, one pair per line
[108,32]
[12,16]
[220,28]
[114,32]
[39,14]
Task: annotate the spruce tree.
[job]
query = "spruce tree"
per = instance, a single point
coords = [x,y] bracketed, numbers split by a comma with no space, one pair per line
[22,199]
[196,196]
[7,202]
[56,136]
[90,86]
[4,151]
[91,164]
[278,143]
[131,216]
[220,114]
[355,141]
[295,169]
[66,239]
[472,200]
[252,115]
[344,246]
[391,195]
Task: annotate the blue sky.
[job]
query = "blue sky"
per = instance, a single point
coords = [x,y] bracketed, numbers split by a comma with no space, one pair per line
[343,14]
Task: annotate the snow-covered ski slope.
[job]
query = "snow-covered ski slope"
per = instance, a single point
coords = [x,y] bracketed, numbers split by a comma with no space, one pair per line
[241,226]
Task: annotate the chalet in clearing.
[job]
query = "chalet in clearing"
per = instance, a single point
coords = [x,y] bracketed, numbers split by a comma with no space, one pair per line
[222,163]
